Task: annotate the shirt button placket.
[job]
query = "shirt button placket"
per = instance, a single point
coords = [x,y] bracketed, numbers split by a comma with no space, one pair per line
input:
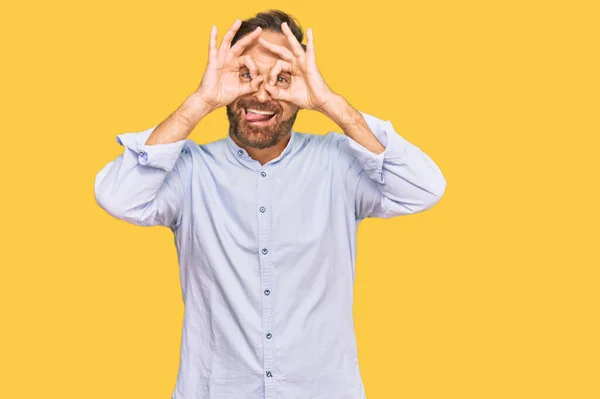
[266,279]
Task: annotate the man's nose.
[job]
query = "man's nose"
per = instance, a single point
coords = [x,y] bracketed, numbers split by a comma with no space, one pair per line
[261,94]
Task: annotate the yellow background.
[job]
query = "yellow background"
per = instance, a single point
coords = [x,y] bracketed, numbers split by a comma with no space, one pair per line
[493,293]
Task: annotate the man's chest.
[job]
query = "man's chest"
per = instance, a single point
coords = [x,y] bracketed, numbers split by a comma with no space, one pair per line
[290,206]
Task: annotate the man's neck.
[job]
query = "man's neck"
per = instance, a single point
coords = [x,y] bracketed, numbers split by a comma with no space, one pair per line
[264,155]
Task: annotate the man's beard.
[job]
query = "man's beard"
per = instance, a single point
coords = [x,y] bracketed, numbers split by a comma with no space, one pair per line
[256,136]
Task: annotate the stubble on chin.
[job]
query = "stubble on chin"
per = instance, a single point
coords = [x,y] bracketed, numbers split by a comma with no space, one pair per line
[258,137]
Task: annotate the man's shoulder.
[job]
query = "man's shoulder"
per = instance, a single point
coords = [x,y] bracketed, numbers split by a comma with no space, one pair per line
[323,139]
[331,140]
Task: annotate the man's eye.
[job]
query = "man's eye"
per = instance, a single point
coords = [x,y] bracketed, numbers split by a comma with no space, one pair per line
[283,80]
[248,75]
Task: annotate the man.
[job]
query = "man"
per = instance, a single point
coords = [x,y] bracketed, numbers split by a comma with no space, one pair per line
[265,220]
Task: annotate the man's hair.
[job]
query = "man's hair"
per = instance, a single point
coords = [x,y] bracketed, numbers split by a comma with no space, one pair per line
[270,20]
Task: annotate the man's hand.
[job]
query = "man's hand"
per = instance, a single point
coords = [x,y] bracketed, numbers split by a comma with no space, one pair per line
[221,83]
[307,88]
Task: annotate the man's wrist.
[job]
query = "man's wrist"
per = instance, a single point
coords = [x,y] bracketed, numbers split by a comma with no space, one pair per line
[193,109]
[180,123]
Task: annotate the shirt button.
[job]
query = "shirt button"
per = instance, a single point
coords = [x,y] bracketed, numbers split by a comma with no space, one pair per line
[263,174]
[240,152]
[264,251]
[263,209]
[269,336]
[269,374]
[267,292]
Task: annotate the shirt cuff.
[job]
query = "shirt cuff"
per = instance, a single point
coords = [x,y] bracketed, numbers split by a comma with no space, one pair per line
[162,156]
[394,144]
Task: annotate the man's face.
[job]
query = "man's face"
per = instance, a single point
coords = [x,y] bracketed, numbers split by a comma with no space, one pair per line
[254,129]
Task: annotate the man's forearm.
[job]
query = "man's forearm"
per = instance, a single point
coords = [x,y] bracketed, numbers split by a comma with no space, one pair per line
[352,123]
[180,123]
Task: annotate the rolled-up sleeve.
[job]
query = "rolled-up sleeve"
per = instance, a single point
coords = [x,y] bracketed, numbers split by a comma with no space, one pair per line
[145,185]
[399,181]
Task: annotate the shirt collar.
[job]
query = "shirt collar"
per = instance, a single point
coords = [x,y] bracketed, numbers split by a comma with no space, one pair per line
[239,152]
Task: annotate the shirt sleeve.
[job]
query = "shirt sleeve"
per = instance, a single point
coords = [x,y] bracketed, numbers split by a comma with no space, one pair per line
[145,185]
[401,180]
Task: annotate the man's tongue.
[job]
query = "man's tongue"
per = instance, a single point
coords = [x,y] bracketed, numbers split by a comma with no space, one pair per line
[252,117]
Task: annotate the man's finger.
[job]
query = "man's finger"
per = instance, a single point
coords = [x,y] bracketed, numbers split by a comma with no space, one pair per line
[212,44]
[297,48]
[228,37]
[248,61]
[240,45]
[251,87]
[276,93]
[277,49]
[276,69]
[255,84]
[310,45]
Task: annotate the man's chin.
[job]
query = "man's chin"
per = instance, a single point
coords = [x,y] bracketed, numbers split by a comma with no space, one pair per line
[256,137]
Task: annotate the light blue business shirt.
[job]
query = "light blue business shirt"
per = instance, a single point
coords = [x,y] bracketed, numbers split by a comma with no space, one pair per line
[267,252]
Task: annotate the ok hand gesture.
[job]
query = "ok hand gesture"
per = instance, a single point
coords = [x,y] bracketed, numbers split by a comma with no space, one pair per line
[307,88]
[221,83]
